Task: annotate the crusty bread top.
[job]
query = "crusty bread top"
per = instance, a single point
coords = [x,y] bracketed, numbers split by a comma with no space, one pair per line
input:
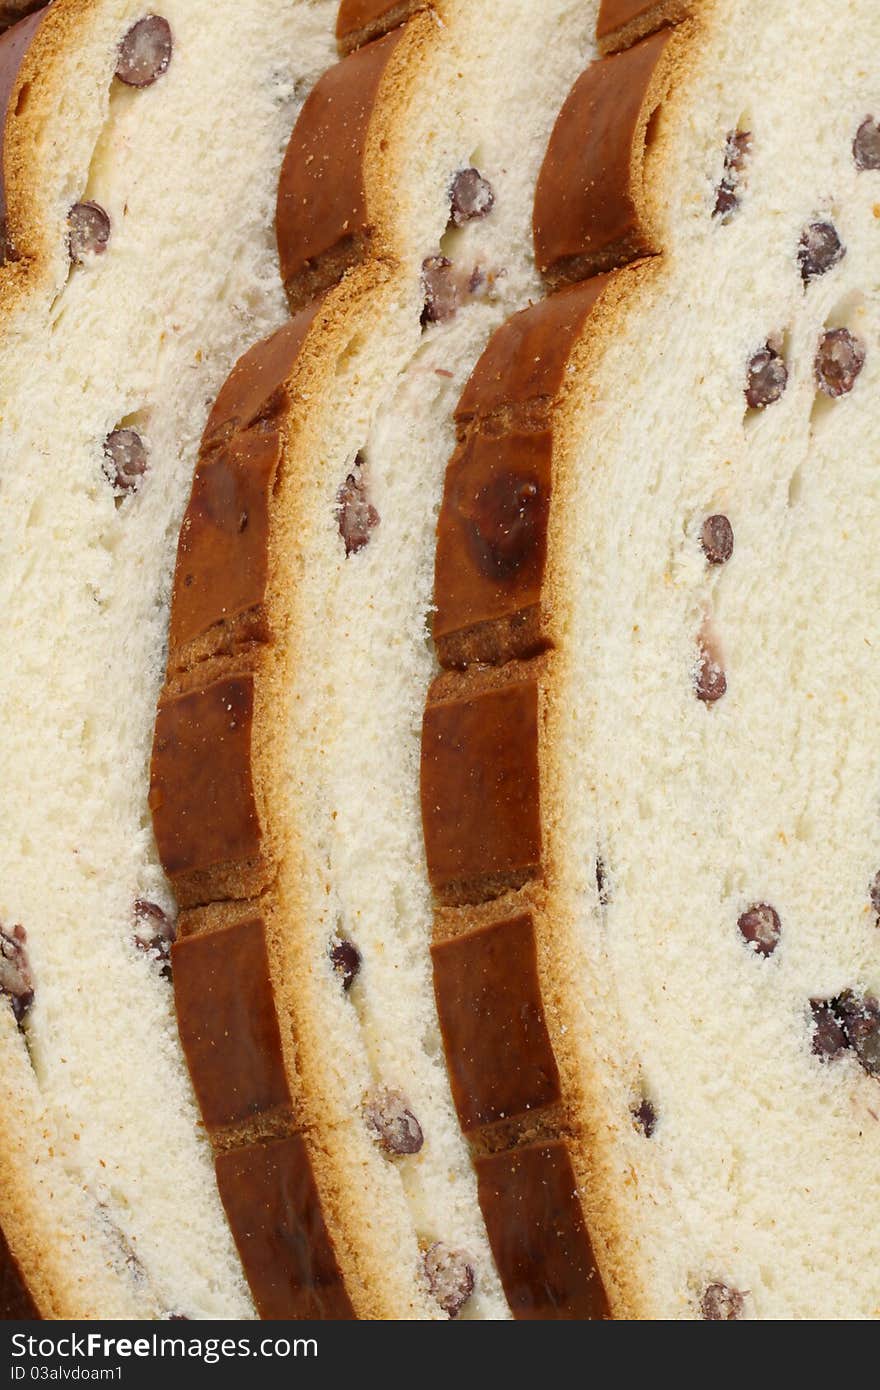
[361,21]
[623,22]
[16,1301]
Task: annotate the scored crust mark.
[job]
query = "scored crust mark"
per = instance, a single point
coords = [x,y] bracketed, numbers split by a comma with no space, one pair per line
[479,785]
[498,1050]
[601,141]
[223,551]
[273,1208]
[361,21]
[202,793]
[537,1233]
[492,531]
[228,1024]
[623,22]
[145,52]
[324,221]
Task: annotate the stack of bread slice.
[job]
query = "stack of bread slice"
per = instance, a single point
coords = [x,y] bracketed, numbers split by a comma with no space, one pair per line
[508,828]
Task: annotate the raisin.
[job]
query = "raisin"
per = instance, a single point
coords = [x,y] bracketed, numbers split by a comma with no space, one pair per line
[710,682]
[866,145]
[89,231]
[874,894]
[829,1039]
[716,538]
[125,459]
[721,1303]
[154,934]
[441,287]
[768,378]
[819,251]
[145,52]
[450,1277]
[394,1124]
[346,960]
[644,1116]
[839,360]
[472,197]
[357,517]
[737,150]
[761,928]
[16,980]
[860,1019]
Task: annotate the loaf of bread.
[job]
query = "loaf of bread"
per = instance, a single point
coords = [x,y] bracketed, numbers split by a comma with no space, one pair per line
[649,782]
[285,776]
[140,161]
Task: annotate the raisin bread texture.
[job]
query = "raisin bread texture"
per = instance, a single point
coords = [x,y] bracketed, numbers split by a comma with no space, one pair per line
[122,317]
[308,626]
[683,624]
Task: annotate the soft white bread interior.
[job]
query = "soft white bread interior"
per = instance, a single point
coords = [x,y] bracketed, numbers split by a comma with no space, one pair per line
[107,1193]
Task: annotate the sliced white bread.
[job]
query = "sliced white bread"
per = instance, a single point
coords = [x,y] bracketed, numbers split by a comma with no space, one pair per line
[124,315]
[652,755]
[286,763]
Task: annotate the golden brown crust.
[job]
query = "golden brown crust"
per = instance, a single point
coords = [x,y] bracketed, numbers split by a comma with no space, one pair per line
[16,1302]
[14,46]
[223,551]
[501,1062]
[202,794]
[269,1194]
[538,1235]
[228,1024]
[591,209]
[492,531]
[361,21]
[325,220]
[480,805]
[623,22]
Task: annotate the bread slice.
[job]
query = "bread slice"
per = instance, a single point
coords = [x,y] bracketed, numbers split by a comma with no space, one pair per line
[107,1194]
[285,767]
[650,761]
